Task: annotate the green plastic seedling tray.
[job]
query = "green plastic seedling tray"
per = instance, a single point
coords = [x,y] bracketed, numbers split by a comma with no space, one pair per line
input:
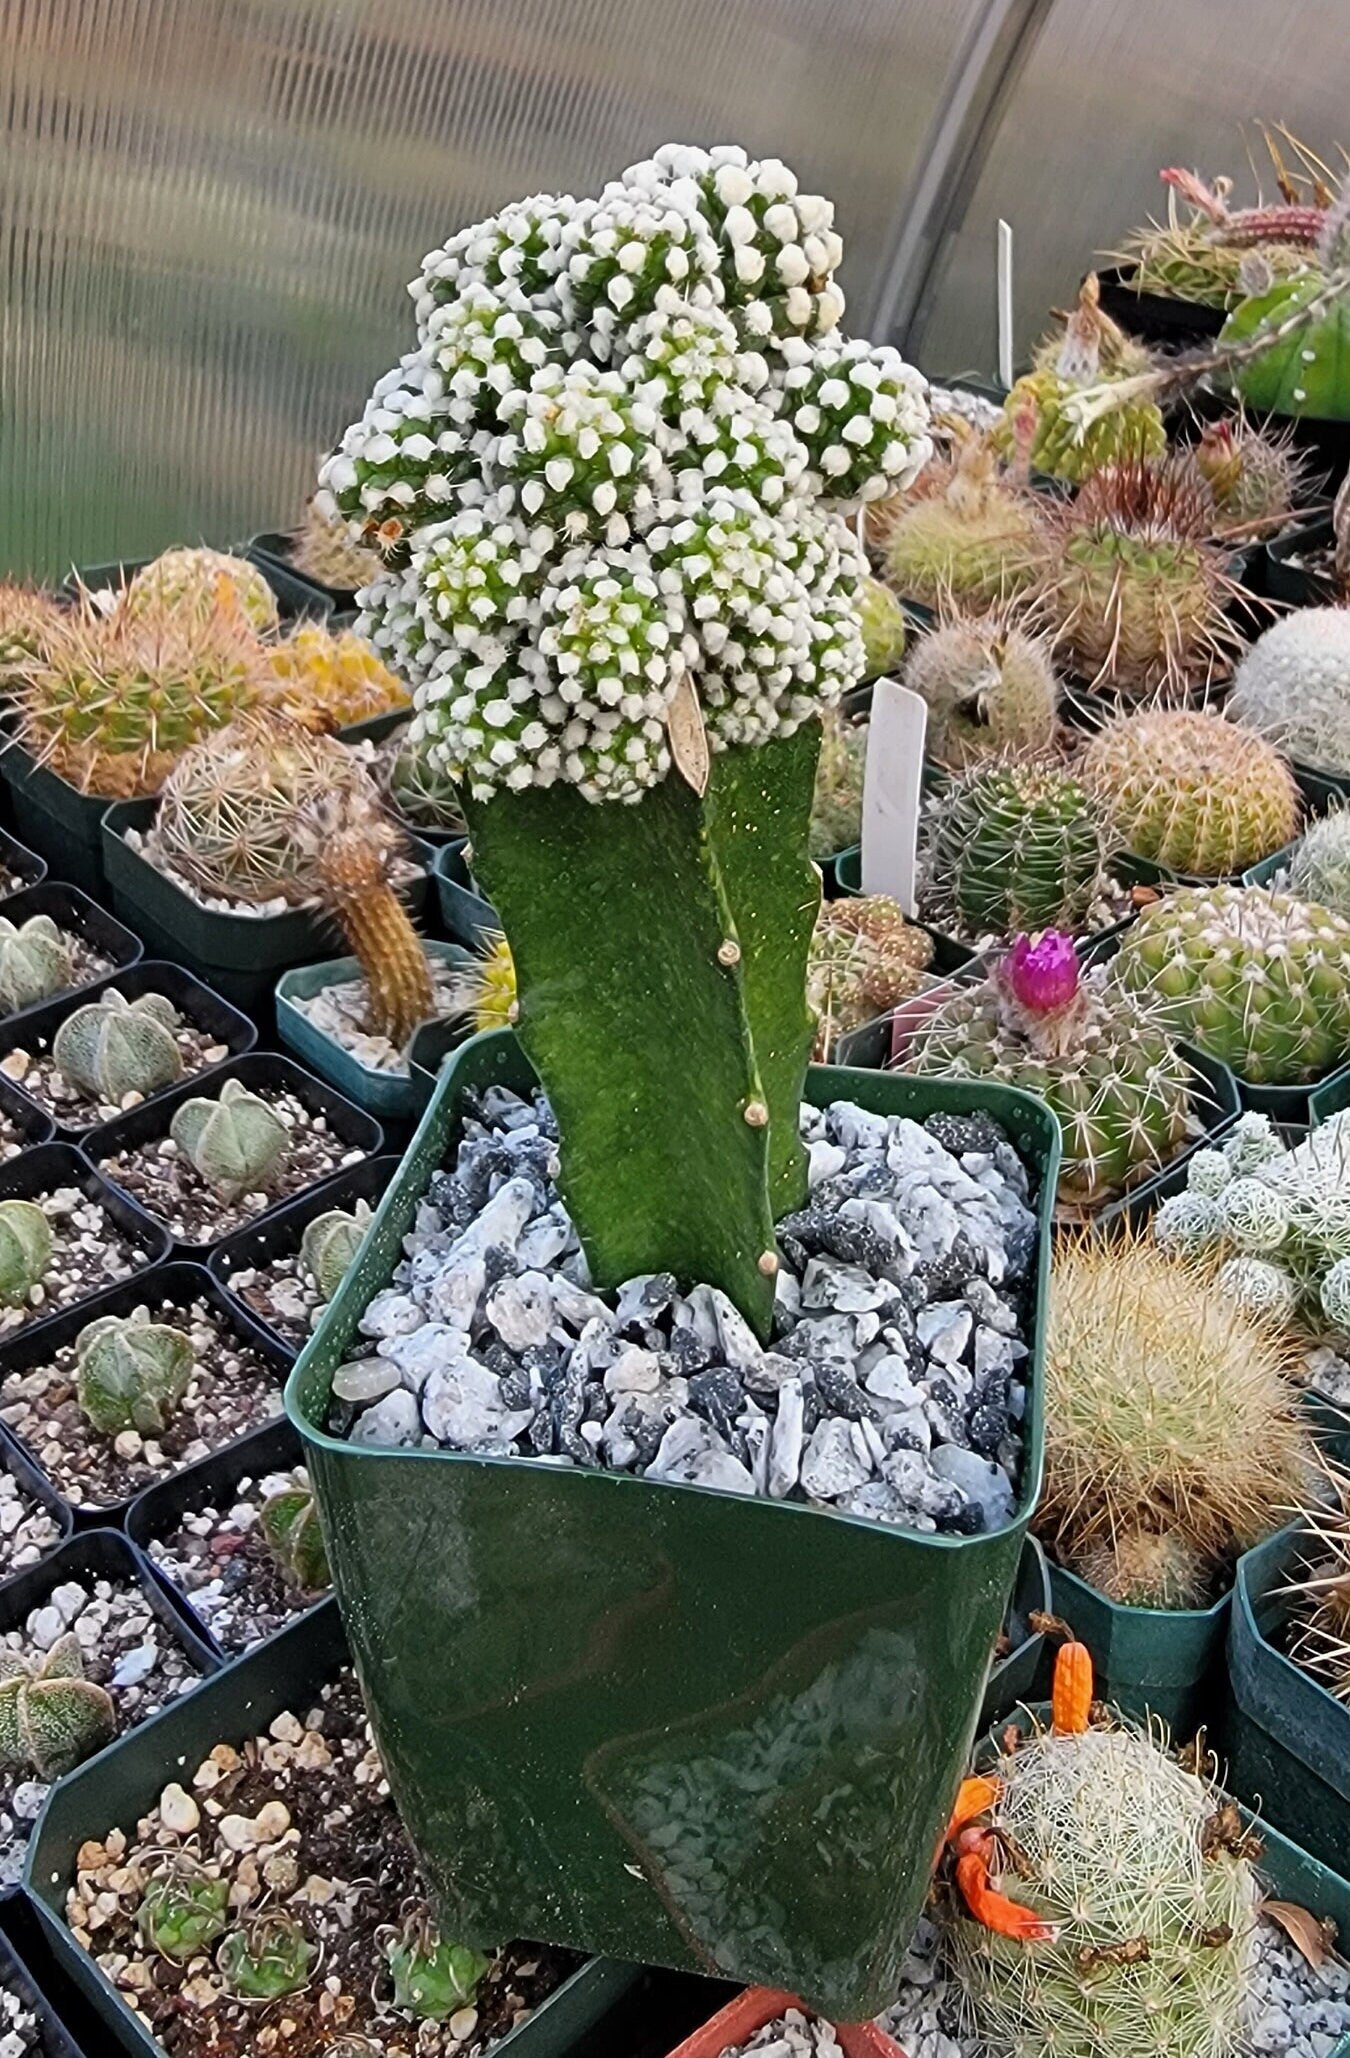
[1286,1737]
[389,1096]
[62,824]
[261,1071]
[1167,1663]
[1013,1679]
[808,1683]
[35,1030]
[119,1787]
[240,955]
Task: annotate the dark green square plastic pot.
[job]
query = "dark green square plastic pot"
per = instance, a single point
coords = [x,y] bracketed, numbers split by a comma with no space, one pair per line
[1287,1739]
[1013,1679]
[272,552]
[123,1783]
[690,1729]
[62,824]
[1329,1098]
[389,1096]
[465,916]
[1149,1661]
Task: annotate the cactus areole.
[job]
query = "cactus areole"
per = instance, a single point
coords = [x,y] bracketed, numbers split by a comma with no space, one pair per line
[607,487]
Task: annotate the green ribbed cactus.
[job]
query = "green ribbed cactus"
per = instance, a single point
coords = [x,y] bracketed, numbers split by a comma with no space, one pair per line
[51,1716]
[236,1142]
[1009,847]
[270,1956]
[290,1524]
[35,962]
[432,1976]
[1096,1055]
[1260,980]
[182,1913]
[131,1373]
[114,1047]
[25,1250]
[329,1244]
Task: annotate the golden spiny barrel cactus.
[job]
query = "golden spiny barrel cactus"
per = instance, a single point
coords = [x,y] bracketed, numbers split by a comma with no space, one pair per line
[1192,791]
[338,675]
[195,582]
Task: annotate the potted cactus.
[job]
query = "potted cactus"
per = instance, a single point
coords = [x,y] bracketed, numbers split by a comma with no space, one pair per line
[320,552]
[1293,687]
[616,579]
[283,1271]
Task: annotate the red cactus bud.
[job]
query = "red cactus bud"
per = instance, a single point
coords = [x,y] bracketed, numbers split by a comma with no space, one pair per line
[1043,974]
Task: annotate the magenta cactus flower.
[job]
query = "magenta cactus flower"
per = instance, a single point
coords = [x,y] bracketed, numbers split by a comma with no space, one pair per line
[1043,973]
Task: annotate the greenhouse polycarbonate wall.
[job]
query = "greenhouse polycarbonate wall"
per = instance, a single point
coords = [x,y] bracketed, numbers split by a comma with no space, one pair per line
[210,207]
[1111,91]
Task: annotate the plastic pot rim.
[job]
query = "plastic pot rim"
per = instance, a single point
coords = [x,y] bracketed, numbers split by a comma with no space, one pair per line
[327,972]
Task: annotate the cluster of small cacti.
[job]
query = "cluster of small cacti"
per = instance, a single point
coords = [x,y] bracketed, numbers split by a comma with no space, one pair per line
[51,1716]
[606,473]
[1035,427]
[866,957]
[1192,792]
[1093,1052]
[1103,1901]
[1260,980]
[1010,847]
[1280,1217]
[989,688]
[132,1373]
[113,1047]
[35,962]
[1173,1439]
[234,1140]
[266,810]
[184,1912]
[333,673]
[1293,686]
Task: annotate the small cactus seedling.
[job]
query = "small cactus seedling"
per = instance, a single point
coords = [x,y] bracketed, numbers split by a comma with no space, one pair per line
[114,1047]
[290,1524]
[1097,1908]
[883,627]
[197,582]
[236,1142]
[866,957]
[35,962]
[1010,847]
[432,1975]
[1192,791]
[131,1373]
[330,1243]
[418,793]
[1255,476]
[989,689]
[270,1956]
[182,1913]
[1099,1057]
[51,1716]
[25,1250]
[1173,1440]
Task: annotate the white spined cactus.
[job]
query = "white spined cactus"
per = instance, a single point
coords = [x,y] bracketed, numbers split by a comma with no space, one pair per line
[1259,1287]
[1252,1141]
[1335,1295]
[1252,1215]
[1208,1172]
[615,467]
[1294,686]
[1187,1221]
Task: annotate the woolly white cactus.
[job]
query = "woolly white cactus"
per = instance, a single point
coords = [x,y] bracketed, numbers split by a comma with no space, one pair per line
[1209,1172]
[654,373]
[1319,864]
[1252,1215]
[1294,686]
[1259,1287]
[1336,1295]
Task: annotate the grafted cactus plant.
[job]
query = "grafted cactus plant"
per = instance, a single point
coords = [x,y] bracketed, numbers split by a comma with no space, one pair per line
[35,962]
[131,1373]
[114,1047]
[290,1524]
[329,1244]
[51,1716]
[25,1250]
[619,588]
[236,1142]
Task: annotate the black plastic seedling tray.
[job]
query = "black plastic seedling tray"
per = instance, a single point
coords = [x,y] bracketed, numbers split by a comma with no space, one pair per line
[75,912]
[32,1123]
[260,1071]
[28,1969]
[1156,317]
[38,1172]
[28,868]
[212,1483]
[15,1459]
[63,824]
[103,1554]
[279,1233]
[176,1284]
[272,553]
[201,1006]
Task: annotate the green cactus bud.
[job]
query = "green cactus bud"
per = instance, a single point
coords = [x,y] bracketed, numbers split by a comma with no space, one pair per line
[329,1244]
[131,1373]
[269,1957]
[114,1047]
[51,1716]
[35,962]
[25,1250]
[236,1141]
[432,1976]
[181,1913]
[1010,847]
[290,1524]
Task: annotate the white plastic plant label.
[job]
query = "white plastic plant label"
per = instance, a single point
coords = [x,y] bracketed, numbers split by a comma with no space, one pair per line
[892,785]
